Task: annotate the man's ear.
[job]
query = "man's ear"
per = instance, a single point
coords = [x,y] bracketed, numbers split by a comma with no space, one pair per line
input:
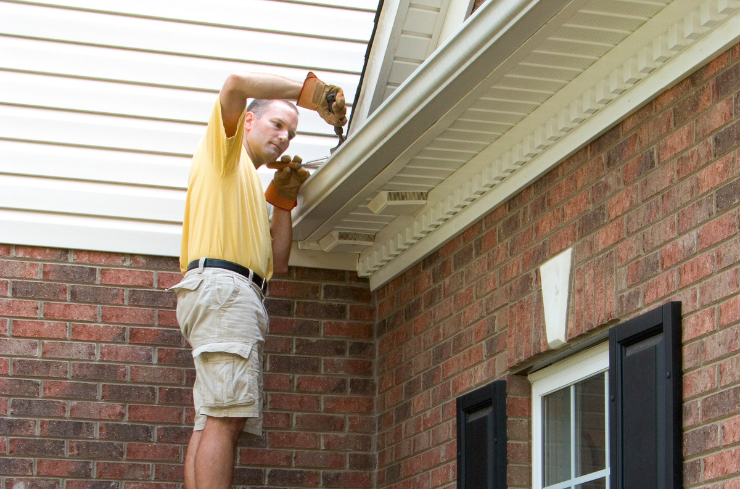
[249,119]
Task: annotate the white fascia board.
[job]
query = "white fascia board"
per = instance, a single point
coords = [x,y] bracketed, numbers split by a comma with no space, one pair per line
[387,32]
[675,69]
[439,83]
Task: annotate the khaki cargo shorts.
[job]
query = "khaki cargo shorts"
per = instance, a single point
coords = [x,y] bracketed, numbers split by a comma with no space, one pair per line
[222,315]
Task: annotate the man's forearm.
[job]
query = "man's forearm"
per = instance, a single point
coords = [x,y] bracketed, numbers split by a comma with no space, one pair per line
[281,230]
[241,86]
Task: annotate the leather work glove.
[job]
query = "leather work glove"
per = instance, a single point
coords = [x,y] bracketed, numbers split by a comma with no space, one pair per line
[283,190]
[313,96]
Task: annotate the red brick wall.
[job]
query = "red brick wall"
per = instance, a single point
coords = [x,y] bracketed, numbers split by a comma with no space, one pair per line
[95,376]
[651,209]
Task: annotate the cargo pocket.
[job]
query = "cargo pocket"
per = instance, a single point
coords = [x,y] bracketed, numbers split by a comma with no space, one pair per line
[225,379]
[186,301]
[224,290]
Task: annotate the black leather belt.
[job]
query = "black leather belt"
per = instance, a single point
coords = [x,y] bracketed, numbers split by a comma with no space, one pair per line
[234,267]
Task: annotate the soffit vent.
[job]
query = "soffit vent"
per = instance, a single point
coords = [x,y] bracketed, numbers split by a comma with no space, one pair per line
[397,203]
[346,242]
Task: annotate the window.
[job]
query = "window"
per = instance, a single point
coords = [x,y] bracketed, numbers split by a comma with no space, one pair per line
[570,422]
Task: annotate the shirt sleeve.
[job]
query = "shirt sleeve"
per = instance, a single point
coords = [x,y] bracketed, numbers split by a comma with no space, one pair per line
[223,152]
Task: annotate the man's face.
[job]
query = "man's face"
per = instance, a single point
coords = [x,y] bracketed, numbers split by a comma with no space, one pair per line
[267,137]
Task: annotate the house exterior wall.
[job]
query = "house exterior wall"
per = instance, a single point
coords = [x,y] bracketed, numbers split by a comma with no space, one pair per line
[95,376]
[651,211]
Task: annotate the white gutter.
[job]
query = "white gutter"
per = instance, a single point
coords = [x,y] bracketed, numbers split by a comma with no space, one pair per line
[441,81]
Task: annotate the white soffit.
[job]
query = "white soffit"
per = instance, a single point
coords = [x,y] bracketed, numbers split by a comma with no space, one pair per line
[103,103]
[588,60]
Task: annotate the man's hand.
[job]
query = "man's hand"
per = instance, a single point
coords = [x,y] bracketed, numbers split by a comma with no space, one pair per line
[314,96]
[283,190]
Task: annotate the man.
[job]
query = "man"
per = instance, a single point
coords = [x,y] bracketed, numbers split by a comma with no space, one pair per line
[230,249]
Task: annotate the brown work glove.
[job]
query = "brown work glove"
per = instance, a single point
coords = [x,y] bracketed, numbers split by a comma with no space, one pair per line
[313,96]
[283,190]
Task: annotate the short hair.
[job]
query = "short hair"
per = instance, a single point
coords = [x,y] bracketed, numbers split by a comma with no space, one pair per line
[259,105]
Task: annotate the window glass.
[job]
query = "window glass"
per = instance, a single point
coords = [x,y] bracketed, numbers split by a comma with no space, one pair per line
[574,432]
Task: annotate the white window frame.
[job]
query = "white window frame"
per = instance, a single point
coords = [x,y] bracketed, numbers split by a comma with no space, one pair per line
[550,379]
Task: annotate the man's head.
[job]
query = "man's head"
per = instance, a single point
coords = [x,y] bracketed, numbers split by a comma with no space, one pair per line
[269,125]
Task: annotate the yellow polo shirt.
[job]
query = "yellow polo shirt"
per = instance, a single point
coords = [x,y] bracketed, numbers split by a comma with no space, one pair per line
[225,208]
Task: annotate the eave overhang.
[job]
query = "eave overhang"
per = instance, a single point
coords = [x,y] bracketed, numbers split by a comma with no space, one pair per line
[663,47]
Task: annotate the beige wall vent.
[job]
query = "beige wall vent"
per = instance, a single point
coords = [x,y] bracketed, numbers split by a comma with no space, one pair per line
[397,203]
[346,242]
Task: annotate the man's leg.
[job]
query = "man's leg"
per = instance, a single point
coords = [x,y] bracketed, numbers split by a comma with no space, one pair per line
[190,459]
[214,458]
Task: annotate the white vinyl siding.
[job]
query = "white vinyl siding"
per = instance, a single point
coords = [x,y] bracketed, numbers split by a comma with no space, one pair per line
[103,103]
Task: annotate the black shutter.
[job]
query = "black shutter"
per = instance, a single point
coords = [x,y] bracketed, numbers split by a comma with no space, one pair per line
[481,438]
[645,400]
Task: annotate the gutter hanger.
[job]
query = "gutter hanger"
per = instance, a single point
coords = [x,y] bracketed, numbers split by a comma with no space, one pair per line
[485,40]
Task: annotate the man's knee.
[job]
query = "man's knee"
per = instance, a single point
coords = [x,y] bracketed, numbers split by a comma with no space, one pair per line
[225,426]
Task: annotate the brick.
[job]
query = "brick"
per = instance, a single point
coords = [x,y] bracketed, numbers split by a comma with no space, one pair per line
[98,332]
[348,329]
[695,270]
[171,356]
[307,383]
[73,312]
[729,312]
[167,318]
[294,402]
[127,393]
[123,470]
[128,315]
[675,143]
[719,287]
[126,277]
[728,195]
[39,329]
[717,230]
[96,450]
[699,381]
[19,308]
[64,349]
[722,464]
[692,104]
[155,262]
[156,336]
[355,443]
[96,410]
[64,468]
[346,479]
[17,427]
[16,466]
[729,371]
[70,390]
[321,347]
[39,368]
[14,347]
[678,250]
[720,344]
[67,429]
[18,269]
[279,439]
[97,371]
[82,484]
[173,434]
[721,404]
[96,295]
[150,451]
[700,440]
[38,408]
[319,422]
[39,290]
[659,287]
[348,405]
[293,364]
[351,367]
[716,117]
[726,139]
[126,432]
[623,150]
[99,257]
[319,460]
[731,431]
[318,310]
[129,354]
[32,483]
[152,298]
[69,273]
[174,395]
[155,414]
[655,128]
[698,324]
[157,375]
